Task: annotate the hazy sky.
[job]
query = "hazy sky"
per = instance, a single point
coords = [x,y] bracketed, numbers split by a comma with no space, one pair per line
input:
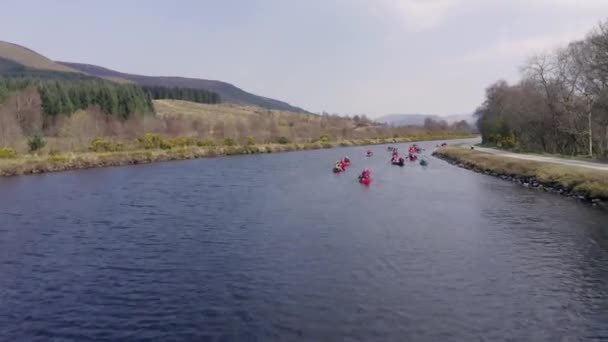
[345,56]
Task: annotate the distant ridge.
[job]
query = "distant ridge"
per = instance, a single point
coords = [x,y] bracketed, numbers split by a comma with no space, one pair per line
[418,119]
[227,91]
[29,58]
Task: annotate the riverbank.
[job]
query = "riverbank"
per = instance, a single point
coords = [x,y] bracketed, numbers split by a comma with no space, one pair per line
[585,184]
[34,164]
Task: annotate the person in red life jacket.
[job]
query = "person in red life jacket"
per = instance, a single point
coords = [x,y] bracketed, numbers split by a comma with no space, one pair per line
[338,167]
[345,162]
[365,177]
[366,173]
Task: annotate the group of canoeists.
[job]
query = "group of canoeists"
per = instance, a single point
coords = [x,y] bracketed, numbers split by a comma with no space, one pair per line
[365,176]
[396,159]
[412,155]
[341,165]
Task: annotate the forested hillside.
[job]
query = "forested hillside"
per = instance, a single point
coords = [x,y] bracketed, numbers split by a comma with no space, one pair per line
[228,92]
[67,96]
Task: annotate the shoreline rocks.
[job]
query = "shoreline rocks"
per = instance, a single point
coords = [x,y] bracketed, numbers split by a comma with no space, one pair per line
[527,182]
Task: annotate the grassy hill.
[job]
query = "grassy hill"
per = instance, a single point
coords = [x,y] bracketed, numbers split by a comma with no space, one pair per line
[19,61]
[238,121]
[29,58]
[172,108]
[227,91]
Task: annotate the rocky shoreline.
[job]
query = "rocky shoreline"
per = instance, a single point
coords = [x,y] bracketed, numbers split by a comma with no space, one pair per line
[528,182]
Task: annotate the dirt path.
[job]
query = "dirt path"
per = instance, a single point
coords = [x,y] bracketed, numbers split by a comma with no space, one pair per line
[570,162]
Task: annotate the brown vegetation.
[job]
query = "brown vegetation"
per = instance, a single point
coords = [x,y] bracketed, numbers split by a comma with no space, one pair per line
[21,118]
[265,126]
[560,106]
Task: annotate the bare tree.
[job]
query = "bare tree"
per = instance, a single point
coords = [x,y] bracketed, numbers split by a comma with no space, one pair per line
[10,130]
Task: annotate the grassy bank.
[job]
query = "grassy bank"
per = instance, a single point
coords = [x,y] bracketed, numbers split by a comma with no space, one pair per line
[36,163]
[570,180]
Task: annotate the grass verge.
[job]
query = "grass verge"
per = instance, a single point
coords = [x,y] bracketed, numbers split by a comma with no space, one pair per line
[582,157]
[592,184]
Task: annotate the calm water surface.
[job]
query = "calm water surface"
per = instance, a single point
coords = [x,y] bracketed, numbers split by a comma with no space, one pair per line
[276,247]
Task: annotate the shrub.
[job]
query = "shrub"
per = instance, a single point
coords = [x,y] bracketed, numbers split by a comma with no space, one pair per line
[166,145]
[249,141]
[58,158]
[183,141]
[205,143]
[283,140]
[229,142]
[152,141]
[507,141]
[36,142]
[6,153]
[104,145]
[325,138]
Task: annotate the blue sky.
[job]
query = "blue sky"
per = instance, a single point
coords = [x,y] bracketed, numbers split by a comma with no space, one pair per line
[370,57]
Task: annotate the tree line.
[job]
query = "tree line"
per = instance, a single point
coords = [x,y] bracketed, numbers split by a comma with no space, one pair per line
[68,96]
[559,106]
[186,94]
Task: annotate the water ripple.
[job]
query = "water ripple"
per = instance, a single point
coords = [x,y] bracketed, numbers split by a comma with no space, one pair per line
[262,248]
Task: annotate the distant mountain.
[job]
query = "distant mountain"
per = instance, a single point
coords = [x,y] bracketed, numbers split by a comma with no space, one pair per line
[10,68]
[418,119]
[29,59]
[228,92]
[17,60]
